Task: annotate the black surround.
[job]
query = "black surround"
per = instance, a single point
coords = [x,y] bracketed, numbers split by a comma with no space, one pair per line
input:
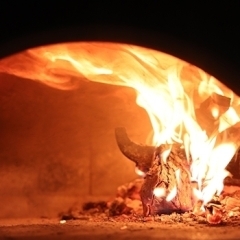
[207,36]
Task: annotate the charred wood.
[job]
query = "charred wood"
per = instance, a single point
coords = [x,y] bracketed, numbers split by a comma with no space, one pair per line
[232,181]
[140,154]
[232,134]
[169,175]
[234,166]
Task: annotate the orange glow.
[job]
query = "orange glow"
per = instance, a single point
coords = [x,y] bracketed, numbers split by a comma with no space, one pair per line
[165,154]
[169,89]
[172,194]
[139,172]
[177,174]
[215,112]
[159,192]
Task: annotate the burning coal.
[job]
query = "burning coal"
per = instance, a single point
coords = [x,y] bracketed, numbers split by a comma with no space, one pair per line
[194,117]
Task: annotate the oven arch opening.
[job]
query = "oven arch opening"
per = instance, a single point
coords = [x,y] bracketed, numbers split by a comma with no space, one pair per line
[56,176]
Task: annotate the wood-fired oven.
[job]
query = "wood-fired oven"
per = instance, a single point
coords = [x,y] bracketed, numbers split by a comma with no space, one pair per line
[58,147]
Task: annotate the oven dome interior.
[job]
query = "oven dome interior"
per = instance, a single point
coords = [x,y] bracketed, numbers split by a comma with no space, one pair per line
[58,147]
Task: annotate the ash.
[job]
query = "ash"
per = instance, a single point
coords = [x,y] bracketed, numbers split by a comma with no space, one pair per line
[126,207]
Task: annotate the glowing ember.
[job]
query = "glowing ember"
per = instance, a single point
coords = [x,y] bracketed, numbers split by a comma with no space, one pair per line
[185,105]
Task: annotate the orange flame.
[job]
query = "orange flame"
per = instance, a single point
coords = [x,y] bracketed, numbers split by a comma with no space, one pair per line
[169,89]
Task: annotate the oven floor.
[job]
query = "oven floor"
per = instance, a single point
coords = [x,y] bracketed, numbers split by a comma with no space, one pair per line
[87,230]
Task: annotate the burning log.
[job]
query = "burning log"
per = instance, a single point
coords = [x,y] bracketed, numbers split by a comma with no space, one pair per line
[231,202]
[234,167]
[167,172]
[167,186]
[141,155]
[232,181]
[167,175]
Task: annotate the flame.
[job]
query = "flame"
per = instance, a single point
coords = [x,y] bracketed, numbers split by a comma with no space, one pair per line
[168,88]
[139,172]
[197,193]
[165,154]
[159,192]
[215,112]
[172,194]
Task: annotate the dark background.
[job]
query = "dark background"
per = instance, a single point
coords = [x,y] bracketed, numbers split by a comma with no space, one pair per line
[211,30]
[215,26]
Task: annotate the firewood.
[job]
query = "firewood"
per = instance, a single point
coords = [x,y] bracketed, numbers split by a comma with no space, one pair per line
[140,154]
[171,175]
[163,175]
[234,166]
[232,135]
[232,181]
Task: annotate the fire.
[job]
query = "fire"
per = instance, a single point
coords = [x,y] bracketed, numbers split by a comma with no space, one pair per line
[165,154]
[182,101]
[139,172]
[159,192]
[172,194]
